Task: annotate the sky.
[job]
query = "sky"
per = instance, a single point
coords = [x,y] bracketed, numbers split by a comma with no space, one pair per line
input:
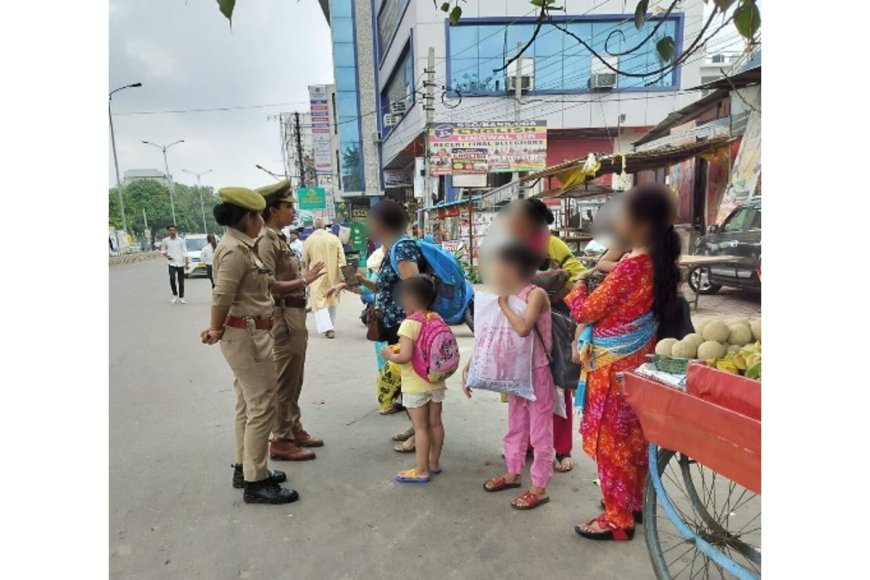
[187,57]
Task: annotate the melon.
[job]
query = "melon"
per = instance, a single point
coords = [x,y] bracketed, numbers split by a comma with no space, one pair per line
[711,350]
[755,327]
[694,338]
[663,348]
[716,331]
[739,335]
[743,321]
[684,349]
[699,328]
[733,348]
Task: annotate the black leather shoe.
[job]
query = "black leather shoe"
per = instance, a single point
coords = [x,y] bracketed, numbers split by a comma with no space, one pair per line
[266,491]
[239,476]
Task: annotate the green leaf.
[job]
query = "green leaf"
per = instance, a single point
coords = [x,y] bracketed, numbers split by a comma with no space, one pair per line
[747,19]
[723,5]
[226,8]
[455,15]
[640,13]
[445,7]
[665,48]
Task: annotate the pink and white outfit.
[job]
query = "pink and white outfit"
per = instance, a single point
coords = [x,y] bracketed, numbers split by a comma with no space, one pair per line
[531,422]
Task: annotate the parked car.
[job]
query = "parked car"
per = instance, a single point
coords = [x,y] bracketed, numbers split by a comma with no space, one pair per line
[195,266]
[740,236]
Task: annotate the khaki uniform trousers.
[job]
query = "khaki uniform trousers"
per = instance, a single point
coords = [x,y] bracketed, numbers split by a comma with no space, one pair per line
[291,342]
[249,354]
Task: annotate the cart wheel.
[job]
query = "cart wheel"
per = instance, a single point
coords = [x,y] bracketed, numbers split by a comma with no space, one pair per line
[718,529]
[699,281]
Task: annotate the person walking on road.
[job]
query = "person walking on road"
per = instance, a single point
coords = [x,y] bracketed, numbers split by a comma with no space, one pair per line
[289,438]
[175,250]
[207,256]
[323,246]
[241,318]
[294,242]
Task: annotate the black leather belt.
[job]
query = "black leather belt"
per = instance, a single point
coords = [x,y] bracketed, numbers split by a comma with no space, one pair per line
[290,302]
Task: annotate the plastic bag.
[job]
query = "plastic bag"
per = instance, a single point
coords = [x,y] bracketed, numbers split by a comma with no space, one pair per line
[389,383]
[502,359]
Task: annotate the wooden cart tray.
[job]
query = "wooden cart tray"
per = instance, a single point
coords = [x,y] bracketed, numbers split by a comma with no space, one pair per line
[725,441]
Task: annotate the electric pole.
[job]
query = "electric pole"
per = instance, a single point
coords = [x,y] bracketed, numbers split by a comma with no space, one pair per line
[171,183]
[429,108]
[201,202]
[300,162]
[115,156]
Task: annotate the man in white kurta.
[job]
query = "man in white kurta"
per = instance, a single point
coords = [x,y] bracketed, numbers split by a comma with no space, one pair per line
[323,246]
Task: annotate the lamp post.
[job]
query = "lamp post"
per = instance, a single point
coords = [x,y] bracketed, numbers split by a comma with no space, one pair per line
[276,176]
[199,187]
[164,148]
[115,153]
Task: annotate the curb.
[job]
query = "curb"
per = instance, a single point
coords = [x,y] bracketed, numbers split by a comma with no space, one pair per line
[133,258]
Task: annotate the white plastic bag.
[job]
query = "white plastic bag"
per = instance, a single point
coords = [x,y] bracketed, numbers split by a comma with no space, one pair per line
[324,321]
[502,359]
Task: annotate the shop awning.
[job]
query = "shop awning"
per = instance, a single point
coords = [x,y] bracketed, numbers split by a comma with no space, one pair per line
[634,162]
[582,191]
[446,204]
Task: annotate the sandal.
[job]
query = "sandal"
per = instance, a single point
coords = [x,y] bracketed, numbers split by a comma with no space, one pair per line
[531,501]
[404,435]
[405,447]
[563,463]
[499,483]
[330,334]
[609,532]
[638,516]
[410,476]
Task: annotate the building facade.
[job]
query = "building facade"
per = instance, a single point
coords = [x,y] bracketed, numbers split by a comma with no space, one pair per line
[381,49]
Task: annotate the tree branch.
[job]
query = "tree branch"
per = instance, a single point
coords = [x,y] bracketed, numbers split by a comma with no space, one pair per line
[644,41]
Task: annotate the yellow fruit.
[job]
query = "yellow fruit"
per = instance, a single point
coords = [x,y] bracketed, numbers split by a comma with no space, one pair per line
[684,349]
[753,359]
[739,361]
[739,335]
[727,366]
[711,349]
[755,327]
[716,331]
[663,348]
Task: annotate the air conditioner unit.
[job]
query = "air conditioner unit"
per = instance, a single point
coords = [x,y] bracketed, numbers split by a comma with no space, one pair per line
[398,108]
[602,80]
[526,75]
[390,120]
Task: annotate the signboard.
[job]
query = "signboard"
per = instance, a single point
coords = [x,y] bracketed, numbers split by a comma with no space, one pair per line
[321,135]
[311,198]
[398,178]
[357,236]
[746,170]
[490,147]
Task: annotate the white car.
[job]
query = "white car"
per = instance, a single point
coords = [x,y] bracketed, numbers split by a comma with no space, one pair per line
[195,266]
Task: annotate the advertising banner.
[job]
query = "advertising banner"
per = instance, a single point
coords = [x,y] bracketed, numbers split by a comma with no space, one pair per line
[490,147]
[746,170]
[311,198]
[321,135]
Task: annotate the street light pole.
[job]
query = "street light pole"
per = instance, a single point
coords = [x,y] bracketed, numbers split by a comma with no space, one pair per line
[201,202]
[272,174]
[115,154]
[164,148]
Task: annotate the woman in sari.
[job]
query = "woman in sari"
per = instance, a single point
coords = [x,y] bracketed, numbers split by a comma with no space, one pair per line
[621,317]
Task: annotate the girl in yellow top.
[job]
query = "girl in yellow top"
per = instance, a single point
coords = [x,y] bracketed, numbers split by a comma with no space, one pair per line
[421,398]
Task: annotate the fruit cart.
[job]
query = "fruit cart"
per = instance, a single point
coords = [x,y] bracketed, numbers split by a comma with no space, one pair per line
[702,507]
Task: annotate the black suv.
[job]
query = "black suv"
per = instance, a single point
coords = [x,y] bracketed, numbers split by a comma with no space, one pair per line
[739,235]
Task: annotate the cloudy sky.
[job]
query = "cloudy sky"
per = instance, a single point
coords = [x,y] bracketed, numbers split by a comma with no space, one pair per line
[187,57]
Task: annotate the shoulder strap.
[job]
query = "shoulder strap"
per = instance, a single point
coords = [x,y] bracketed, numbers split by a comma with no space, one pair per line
[393,252]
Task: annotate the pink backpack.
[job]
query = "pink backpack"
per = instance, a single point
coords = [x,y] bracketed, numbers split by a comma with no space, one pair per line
[436,352]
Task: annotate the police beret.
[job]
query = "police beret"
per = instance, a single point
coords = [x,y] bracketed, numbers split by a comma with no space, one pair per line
[282,191]
[242,197]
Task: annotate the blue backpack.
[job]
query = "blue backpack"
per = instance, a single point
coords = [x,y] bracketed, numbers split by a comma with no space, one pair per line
[450,280]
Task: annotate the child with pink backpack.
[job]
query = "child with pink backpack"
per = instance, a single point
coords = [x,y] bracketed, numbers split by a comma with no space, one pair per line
[429,354]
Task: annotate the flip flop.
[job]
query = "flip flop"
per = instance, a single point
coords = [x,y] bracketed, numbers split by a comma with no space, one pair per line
[610,533]
[403,436]
[500,483]
[532,501]
[410,476]
[401,448]
[559,464]
[435,471]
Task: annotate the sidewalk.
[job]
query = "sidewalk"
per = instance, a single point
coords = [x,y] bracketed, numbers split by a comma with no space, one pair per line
[727,304]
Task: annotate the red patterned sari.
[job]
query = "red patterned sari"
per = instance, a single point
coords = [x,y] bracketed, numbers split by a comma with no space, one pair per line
[611,432]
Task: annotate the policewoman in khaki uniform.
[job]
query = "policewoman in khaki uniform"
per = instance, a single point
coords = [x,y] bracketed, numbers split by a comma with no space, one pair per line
[289,439]
[241,320]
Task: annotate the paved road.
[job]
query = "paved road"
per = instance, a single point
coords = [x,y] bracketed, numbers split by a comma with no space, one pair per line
[174,513]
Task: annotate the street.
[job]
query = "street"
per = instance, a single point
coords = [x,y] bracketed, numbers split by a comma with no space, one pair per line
[174,513]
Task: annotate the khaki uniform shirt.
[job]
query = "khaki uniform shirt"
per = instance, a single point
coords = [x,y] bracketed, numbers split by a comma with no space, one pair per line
[241,279]
[272,248]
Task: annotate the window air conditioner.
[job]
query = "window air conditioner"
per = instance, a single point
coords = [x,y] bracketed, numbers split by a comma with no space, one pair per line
[526,75]
[602,80]
[398,108]
[389,120]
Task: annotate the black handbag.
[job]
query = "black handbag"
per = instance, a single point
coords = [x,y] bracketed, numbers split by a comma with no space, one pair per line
[566,372]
